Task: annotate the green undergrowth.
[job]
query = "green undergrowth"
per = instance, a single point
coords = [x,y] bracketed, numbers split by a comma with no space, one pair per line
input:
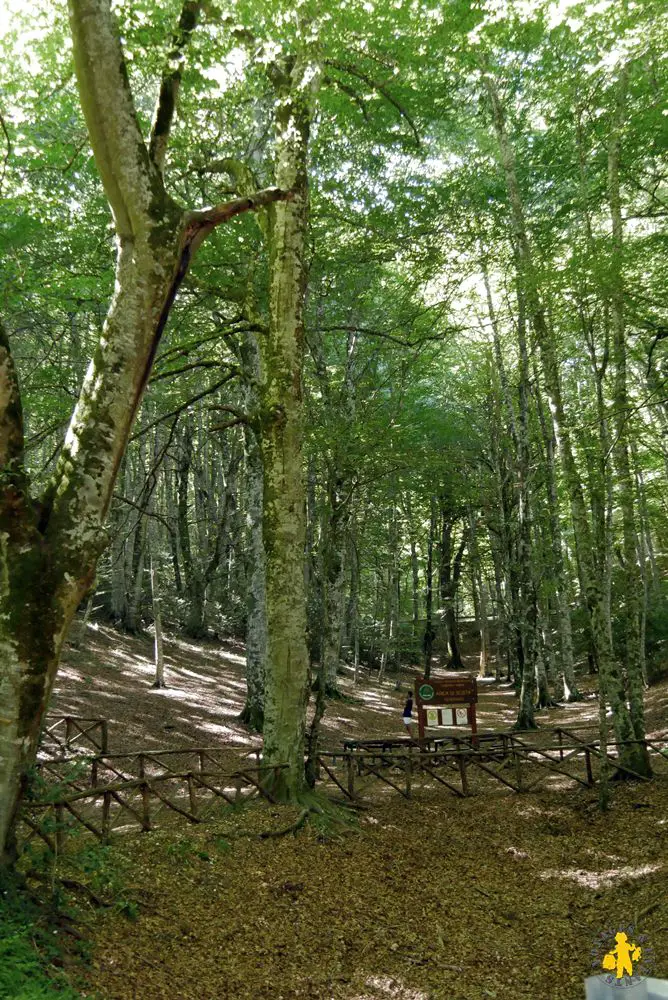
[30,950]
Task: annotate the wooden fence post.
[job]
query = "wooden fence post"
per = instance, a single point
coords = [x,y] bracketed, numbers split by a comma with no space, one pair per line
[351,774]
[106,807]
[590,776]
[192,798]
[518,770]
[462,774]
[145,795]
[409,774]
[560,734]
[104,737]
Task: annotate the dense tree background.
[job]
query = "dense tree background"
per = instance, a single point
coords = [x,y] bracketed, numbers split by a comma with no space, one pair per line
[484,383]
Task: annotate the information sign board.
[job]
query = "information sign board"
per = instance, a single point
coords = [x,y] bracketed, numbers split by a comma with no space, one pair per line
[446,701]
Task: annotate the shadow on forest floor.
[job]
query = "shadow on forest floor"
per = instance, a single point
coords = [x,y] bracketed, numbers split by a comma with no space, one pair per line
[496,895]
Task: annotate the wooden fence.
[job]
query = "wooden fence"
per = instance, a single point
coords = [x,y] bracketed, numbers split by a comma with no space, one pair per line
[64,733]
[508,759]
[141,803]
[107,793]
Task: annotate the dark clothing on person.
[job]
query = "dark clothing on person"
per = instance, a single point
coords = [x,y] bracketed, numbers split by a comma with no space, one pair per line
[408,707]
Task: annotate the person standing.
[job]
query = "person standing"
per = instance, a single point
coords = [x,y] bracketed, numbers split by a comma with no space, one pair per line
[408,714]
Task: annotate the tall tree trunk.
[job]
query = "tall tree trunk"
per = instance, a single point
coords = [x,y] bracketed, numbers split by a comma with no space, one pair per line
[159,658]
[287,680]
[334,579]
[621,408]
[449,576]
[429,633]
[256,573]
[354,603]
[480,596]
[566,687]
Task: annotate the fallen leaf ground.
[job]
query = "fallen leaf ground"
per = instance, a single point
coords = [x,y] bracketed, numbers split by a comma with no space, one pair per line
[497,895]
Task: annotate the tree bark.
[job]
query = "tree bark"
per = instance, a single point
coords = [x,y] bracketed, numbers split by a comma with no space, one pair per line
[287,680]
[633,587]
[334,542]
[256,572]
[429,633]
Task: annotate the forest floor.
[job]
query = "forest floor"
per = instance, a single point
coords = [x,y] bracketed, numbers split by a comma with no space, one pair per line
[438,898]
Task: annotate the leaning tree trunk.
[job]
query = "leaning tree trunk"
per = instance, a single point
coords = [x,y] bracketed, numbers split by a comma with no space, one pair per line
[49,549]
[284,528]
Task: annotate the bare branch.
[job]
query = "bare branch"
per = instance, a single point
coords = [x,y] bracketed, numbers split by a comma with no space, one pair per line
[171,84]
[202,223]
[226,426]
[184,406]
[184,368]
[239,415]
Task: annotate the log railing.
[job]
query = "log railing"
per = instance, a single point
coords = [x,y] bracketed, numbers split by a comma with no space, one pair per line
[64,733]
[143,788]
[140,802]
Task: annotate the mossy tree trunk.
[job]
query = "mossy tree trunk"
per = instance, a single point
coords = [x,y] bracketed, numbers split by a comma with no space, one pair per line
[49,549]
[284,517]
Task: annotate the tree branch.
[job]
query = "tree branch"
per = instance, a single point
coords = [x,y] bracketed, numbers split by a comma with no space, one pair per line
[382,89]
[182,369]
[201,223]
[184,406]
[127,174]
[171,84]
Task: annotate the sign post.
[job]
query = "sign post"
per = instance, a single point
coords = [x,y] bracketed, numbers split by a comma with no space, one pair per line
[446,701]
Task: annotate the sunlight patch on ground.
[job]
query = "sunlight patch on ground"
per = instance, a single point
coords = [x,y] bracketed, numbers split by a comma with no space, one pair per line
[598,880]
[393,988]
[231,735]
[516,853]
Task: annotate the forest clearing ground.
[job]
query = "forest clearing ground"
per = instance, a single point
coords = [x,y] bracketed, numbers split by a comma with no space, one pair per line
[497,895]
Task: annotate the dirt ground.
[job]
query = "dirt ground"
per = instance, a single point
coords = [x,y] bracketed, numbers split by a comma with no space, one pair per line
[438,898]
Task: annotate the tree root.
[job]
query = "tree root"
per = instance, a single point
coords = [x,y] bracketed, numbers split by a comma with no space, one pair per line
[297,825]
[72,884]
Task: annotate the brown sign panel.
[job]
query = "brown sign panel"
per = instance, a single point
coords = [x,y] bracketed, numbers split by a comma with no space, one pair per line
[446,691]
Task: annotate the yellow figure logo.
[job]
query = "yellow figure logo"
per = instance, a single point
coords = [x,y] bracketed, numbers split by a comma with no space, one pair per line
[622,957]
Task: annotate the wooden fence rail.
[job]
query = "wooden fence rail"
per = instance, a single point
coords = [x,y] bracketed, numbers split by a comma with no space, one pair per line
[64,732]
[141,801]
